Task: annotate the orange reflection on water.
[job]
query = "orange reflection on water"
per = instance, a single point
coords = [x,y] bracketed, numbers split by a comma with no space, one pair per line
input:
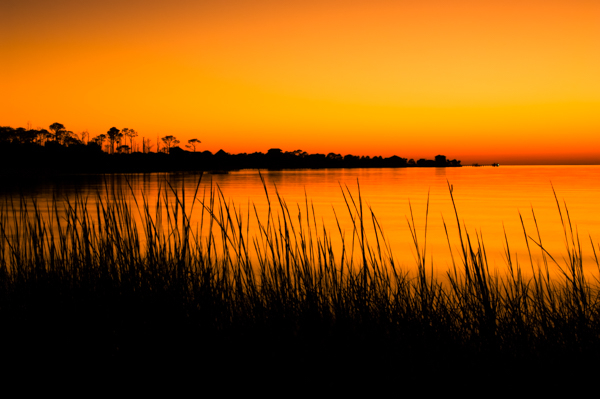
[493,205]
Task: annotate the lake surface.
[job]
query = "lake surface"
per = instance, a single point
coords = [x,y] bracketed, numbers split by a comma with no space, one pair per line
[489,201]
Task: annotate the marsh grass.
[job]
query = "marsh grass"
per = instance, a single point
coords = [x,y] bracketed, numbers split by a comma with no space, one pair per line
[123,281]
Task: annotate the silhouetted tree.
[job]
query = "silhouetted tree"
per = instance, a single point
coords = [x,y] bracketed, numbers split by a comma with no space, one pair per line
[42,136]
[114,135]
[26,136]
[99,139]
[192,143]
[299,153]
[58,130]
[6,134]
[49,136]
[123,149]
[71,139]
[169,141]
[119,139]
[131,134]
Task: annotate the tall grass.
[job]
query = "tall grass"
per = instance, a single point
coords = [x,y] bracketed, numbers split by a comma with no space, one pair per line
[128,279]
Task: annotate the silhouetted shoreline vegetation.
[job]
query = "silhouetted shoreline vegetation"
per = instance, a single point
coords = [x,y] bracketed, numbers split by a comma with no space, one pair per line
[58,151]
[92,285]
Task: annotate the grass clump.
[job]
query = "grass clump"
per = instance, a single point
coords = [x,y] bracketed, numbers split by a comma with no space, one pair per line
[118,282]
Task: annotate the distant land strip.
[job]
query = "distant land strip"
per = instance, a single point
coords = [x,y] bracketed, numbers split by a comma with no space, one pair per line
[33,152]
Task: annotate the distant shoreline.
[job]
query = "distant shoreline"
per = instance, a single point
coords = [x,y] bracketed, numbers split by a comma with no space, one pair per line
[31,159]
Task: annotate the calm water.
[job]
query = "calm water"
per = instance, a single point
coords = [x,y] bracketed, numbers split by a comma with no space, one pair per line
[488,200]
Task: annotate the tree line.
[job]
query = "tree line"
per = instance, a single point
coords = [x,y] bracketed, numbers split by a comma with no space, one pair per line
[57,150]
[119,141]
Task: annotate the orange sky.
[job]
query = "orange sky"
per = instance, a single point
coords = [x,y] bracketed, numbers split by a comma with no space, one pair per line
[482,81]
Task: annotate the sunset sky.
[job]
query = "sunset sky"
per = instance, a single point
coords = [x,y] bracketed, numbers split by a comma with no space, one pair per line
[482,81]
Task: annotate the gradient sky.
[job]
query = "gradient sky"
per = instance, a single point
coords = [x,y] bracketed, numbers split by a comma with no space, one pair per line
[482,81]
